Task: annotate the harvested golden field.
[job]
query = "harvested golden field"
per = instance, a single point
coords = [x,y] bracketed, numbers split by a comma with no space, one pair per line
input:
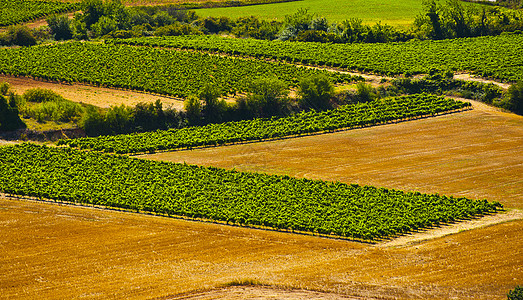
[477,154]
[97,96]
[56,251]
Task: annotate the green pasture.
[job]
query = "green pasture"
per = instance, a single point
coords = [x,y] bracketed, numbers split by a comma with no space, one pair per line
[397,12]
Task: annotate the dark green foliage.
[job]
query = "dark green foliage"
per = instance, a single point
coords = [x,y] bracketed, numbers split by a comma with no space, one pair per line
[254,28]
[515,98]
[123,119]
[516,293]
[348,116]
[177,29]
[193,110]
[9,118]
[60,26]
[279,202]
[214,109]
[215,25]
[316,92]
[20,36]
[267,97]
[455,20]
[39,95]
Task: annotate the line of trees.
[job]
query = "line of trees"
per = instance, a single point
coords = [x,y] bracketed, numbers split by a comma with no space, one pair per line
[437,21]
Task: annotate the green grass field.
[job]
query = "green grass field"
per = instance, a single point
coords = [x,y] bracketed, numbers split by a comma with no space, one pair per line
[397,13]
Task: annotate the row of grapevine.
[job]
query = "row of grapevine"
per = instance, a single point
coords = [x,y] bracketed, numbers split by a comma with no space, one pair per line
[280,202]
[163,71]
[494,56]
[19,11]
[348,116]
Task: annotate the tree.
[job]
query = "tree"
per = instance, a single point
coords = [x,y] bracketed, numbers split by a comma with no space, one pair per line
[432,12]
[515,97]
[316,92]
[60,26]
[21,36]
[267,98]
[9,118]
[193,110]
[213,108]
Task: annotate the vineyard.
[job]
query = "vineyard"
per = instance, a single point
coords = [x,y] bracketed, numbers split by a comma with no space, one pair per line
[163,71]
[18,11]
[349,116]
[497,57]
[280,202]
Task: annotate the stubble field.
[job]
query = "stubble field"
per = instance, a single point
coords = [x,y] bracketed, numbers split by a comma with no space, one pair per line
[66,251]
[72,252]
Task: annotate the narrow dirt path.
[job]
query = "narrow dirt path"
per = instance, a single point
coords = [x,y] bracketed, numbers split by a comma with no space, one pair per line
[444,230]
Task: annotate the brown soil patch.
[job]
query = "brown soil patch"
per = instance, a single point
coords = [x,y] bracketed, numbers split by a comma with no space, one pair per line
[476,153]
[97,96]
[56,251]
[468,77]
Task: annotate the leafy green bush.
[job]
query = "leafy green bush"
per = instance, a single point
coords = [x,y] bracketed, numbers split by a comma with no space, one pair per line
[267,97]
[60,26]
[515,97]
[50,106]
[9,118]
[516,293]
[316,92]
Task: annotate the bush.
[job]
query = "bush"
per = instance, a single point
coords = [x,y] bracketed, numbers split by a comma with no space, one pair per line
[516,293]
[268,97]
[18,35]
[9,118]
[60,26]
[51,106]
[39,95]
[316,92]
[193,110]
[515,98]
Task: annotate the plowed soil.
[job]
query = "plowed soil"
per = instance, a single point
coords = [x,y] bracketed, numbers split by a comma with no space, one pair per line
[55,251]
[476,153]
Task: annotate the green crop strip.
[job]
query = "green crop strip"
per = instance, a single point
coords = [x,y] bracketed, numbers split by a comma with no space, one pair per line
[498,57]
[348,116]
[18,11]
[163,71]
[281,202]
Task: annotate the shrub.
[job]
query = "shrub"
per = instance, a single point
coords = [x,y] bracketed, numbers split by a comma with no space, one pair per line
[515,97]
[39,95]
[9,118]
[19,35]
[60,26]
[316,92]
[268,97]
[516,293]
[193,110]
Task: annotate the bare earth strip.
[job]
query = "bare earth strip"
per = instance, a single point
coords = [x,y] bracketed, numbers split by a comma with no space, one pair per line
[476,154]
[57,251]
[97,96]
[432,233]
